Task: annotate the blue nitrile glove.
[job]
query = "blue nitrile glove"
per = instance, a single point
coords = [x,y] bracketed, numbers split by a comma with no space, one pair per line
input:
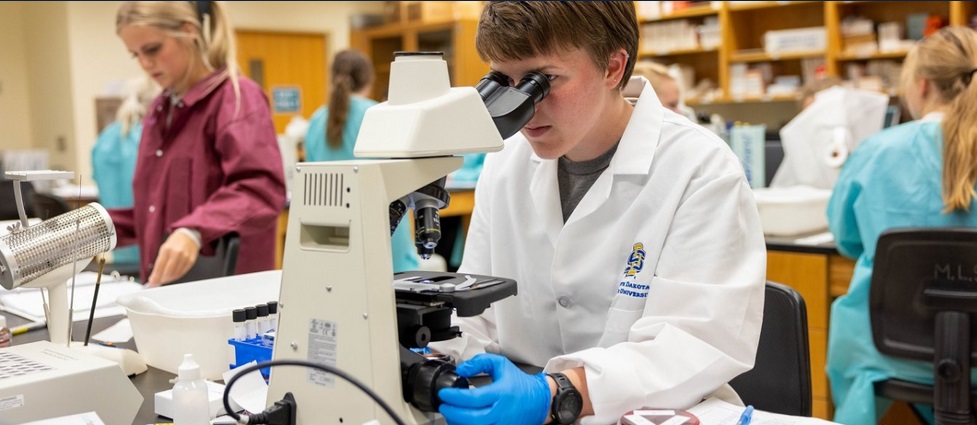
[513,397]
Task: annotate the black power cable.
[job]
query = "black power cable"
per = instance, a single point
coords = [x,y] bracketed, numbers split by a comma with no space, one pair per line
[313,365]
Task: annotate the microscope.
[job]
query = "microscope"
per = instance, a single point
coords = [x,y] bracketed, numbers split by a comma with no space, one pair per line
[341,304]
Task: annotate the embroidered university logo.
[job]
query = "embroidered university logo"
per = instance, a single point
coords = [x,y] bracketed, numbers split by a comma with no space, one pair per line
[636,261]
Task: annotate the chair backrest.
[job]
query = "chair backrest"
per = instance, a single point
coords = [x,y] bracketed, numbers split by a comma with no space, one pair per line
[921,302]
[8,204]
[221,264]
[46,206]
[780,381]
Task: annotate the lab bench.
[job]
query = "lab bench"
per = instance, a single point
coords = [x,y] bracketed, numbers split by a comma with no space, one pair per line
[818,272]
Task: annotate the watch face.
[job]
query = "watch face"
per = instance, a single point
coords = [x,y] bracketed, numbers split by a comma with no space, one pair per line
[570,406]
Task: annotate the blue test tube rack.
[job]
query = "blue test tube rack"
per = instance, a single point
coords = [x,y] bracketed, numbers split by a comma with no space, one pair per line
[257,349]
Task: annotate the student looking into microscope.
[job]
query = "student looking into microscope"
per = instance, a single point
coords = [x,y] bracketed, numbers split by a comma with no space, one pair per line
[631,232]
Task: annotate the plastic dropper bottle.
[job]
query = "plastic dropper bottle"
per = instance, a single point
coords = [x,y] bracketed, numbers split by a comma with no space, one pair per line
[190,400]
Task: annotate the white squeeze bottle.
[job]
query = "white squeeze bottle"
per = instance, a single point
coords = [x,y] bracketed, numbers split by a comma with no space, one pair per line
[190,400]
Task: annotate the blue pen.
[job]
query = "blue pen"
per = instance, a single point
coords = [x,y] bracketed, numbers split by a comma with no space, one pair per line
[746,416]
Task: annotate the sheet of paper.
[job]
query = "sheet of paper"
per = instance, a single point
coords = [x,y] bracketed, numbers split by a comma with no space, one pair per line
[818,239]
[249,391]
[28,301]
[118,333]
[717,412]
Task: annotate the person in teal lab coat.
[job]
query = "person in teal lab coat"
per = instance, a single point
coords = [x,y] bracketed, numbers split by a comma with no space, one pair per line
[918,174]
[452,244]
[115,151]
[333,130]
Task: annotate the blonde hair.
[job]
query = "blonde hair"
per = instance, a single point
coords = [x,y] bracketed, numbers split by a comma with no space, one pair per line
[215,46]
[811,89]
[948,60]
[655,72]
[140,92]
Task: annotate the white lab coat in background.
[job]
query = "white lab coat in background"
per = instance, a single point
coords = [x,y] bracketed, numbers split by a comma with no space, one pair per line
[661,324]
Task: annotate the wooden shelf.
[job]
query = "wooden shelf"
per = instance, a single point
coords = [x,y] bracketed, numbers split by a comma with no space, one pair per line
[877,55]
[677,52]
[743,100]
[767,57]
[738,6]
[691,12]
[767,98]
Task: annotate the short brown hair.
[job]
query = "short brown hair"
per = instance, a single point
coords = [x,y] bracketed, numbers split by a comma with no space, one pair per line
[513,30]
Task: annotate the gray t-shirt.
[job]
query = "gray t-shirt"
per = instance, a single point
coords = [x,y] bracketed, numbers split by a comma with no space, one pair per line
[576,178]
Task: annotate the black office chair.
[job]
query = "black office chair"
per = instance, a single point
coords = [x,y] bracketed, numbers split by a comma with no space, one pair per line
[8,203]
[221,264]
[922,296]
[46,206]
[780,380]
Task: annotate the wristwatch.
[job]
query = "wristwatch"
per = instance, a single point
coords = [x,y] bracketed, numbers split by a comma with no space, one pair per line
[567,403]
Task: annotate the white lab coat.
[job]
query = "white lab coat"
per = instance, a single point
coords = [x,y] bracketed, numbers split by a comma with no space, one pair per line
[663,324]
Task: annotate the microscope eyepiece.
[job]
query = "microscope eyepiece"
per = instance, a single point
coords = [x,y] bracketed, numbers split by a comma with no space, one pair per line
[536,85]
[490,83]
[512,107]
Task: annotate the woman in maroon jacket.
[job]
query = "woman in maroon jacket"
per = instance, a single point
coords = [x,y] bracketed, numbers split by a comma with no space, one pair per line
[208,161]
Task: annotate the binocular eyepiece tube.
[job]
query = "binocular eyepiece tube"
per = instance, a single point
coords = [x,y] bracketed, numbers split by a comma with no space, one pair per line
[511,107]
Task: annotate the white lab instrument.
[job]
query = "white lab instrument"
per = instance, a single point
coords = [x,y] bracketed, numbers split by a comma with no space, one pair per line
[44,380]
[337,303]
[45,255]
[816,144]
[818,140]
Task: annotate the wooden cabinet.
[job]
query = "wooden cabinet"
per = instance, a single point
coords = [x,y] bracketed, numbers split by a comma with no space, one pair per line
[455,38]
[820,275]
[744,28]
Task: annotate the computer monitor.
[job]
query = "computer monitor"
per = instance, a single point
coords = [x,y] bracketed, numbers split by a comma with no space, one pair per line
[892,115]
[818,140]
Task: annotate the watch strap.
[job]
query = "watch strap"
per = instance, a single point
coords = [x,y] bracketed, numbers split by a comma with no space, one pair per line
[563,384]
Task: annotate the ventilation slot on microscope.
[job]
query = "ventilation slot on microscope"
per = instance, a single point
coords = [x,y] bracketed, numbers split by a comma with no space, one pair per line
[324,189]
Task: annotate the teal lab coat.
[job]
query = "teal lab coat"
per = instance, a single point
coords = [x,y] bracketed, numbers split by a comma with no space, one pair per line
[113,165]
[403,251]
[892,179]
[466,176]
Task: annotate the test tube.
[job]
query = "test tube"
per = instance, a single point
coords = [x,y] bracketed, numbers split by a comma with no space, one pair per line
[239,316]
[251,323]
[273,315]
[262,318]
